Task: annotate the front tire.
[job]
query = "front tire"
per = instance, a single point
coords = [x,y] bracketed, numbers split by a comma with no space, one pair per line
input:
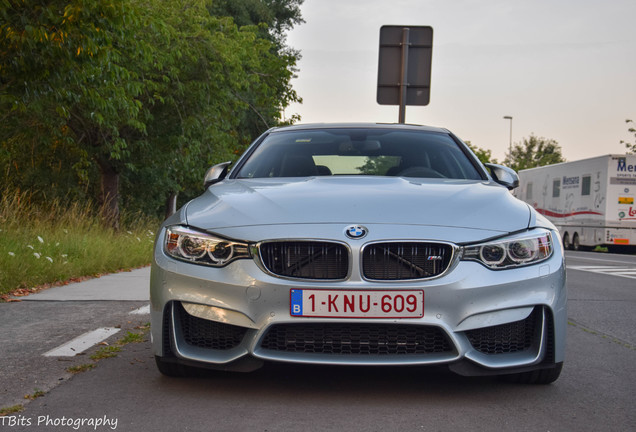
[538,377]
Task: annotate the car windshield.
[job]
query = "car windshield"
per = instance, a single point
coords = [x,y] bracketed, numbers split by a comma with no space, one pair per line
[375,152]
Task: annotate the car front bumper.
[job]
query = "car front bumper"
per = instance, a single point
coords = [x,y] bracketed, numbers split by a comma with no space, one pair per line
[476,320]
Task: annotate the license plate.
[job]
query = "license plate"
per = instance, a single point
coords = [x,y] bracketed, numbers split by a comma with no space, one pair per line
[357,303]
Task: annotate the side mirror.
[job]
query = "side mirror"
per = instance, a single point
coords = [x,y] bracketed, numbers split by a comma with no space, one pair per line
[216,174]
[503,175]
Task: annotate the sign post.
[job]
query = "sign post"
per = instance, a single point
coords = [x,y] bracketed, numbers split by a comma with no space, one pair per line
[404,70]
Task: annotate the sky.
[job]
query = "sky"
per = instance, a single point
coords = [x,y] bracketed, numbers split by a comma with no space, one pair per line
[563,69]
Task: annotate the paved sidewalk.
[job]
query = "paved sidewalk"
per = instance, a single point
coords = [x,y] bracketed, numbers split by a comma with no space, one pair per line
[34,330]
[126,286]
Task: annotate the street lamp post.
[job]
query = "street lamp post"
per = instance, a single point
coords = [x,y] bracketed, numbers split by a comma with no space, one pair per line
[510,143]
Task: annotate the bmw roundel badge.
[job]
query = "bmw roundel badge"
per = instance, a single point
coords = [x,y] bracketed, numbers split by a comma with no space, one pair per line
[356,231]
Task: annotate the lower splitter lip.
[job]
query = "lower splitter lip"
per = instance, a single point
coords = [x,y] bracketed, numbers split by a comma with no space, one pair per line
[252,343]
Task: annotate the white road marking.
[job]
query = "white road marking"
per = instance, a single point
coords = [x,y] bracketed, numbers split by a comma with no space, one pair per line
[626,272]
[576,257]
[144,310]
[82,342]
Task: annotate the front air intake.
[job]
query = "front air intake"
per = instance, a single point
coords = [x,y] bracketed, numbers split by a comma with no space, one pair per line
[405,260]
[306,259]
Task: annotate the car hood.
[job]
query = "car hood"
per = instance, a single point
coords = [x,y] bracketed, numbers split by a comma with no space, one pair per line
[358,200]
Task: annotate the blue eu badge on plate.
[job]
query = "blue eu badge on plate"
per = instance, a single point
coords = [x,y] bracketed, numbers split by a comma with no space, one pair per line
[296,302]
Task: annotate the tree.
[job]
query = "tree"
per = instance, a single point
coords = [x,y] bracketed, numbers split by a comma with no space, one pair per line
[143,94]
[631,147]
[484,155]
[70,79]
[227,85]
[533,152]
[271,19]
[279,16]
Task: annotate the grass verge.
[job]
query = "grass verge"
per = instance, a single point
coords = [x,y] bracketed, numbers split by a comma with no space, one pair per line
[58,243]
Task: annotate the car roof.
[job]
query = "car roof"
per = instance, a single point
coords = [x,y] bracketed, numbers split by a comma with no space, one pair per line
[397,126]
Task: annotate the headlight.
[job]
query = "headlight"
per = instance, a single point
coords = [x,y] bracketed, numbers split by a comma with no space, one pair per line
[202,248]
[515,251]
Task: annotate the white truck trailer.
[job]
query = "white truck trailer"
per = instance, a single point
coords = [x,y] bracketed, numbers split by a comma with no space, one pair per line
[591,201]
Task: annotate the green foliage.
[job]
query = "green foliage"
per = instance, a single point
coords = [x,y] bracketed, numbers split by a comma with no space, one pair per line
[630,146]
[533,152]
[106,352]
[278,16]
[484,155]
[223,76]
[80,368]
[131,338]
[36,394]
[71,81]
[270,19]
[41,244]
[137,96]
[5,411]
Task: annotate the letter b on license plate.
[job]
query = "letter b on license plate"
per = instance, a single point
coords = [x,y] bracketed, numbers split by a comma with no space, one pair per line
[357,303]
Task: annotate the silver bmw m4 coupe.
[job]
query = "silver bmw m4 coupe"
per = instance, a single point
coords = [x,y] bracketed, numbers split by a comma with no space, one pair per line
[360,244]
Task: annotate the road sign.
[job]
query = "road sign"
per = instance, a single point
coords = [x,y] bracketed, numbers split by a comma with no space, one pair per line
[404,70]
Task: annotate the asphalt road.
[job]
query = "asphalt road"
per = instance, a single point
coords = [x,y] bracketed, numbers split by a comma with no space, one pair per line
[596,390]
